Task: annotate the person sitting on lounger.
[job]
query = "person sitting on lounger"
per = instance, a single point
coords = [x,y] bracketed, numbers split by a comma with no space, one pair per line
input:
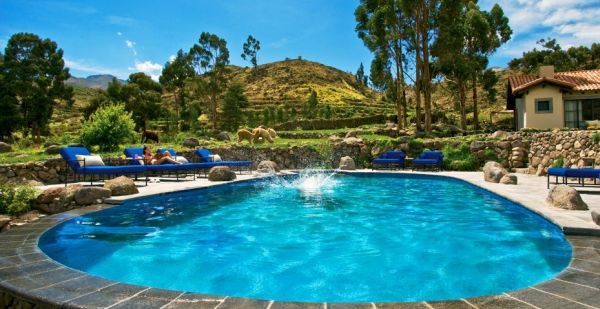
[158,158]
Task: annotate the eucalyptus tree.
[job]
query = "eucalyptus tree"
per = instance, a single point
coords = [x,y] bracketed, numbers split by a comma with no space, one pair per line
[381,24]
[34,73]
[175,75]
[361,78]
[209,58]
[141,95]
[251,48]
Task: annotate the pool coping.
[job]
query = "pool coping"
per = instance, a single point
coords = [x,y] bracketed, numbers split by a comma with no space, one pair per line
[27,274]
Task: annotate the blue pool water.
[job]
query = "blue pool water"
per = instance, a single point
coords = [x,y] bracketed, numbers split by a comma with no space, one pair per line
[319,238]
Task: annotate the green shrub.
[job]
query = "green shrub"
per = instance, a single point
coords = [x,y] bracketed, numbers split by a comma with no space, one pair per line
[108,127]
[490,155]
[596,138]
[15,200]
[558,162]
[460,158]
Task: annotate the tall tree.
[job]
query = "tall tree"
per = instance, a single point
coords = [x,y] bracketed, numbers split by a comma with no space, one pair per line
[251,48]
[35,73]
[381,24]
[361,77]
[233,101]
[174,76]
[10,118]
[210,57]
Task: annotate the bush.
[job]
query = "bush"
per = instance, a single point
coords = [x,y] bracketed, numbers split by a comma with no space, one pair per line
[558,162]
[460,158]
[108,127]
[596,138]
[15,200]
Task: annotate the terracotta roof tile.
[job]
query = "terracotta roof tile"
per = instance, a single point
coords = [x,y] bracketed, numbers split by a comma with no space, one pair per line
[576,80]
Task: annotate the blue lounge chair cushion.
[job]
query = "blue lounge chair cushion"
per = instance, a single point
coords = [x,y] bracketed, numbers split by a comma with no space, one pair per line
[132,152]
[107,170]
[70,155]
[170,150]
[205,155]
[390,157]
[178,167]
[387,161]
[429,158]
[582,173]
[557,171]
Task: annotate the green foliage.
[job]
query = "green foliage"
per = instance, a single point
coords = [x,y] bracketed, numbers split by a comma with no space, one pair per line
[16,199]
[251,48]
[415,144]
[266,116]
[233,100]
[361,77]
[34,74]
[551,53]
[173,78]
[596,138]
[558,162]
[108,127]
[460,158]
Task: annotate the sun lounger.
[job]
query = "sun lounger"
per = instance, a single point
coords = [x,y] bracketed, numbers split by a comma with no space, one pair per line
[81,162]
[429,159]
[207,156]
[394,158]
[580,173]
[134,153]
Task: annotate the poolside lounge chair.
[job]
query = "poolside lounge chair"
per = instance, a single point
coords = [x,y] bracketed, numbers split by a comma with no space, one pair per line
[580,173]
[394,158]
[207,156]
[79,166]
[429,159]
[167,167]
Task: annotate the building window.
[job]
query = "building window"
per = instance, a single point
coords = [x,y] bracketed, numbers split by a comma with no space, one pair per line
[543,106]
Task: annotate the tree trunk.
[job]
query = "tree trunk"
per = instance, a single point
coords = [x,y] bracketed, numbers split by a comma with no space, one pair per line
[418,69]
[400,103]
[426,74]
[475,110]
[462,93]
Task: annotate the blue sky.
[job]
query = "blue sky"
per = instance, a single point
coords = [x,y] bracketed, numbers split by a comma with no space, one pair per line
[122,37]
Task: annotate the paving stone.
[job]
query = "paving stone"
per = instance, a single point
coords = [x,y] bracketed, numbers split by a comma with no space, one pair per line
[498,302]
[586,265]
[151,298]
[193,301]
[33,268]
[586,295]
[589,254]
[421,305]
[71,289]
[581,277]
[454,304]
[296,305]
[350,306]
[545,300]
[107,296]
[234,302]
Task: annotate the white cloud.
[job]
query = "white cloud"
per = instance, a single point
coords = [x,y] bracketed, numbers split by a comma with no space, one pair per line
[172,58]
[147,66]
[131,45]
[90,68]
[119,33]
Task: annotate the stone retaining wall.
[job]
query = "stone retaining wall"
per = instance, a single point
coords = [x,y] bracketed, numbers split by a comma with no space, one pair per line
[576,148]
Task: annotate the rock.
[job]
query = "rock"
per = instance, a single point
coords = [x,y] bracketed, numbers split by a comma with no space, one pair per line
[4,147]
[353,141]
[499,134]
[347,163]
[223,136]
[221,173]
[50,195]
[267,167]
[351,134]
[541,171]
[493,172]
[52,149]
[90,195]
[596,217]
[565,197]
[121,186]
[191,142]
[535,161]
[335,139]
[510,179]
[476,146]
[4,220]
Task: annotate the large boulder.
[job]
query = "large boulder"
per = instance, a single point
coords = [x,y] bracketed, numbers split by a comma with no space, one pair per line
[121,185]
[352,133]
[267,167]
[499,134]
[57,200]
[596,217]
[510,179]
[223,136]
[52,149]
[493,172]
[565,197]
[4,147]
[4,221]
[191,142]
[221,173]
[347,163]
[91,195]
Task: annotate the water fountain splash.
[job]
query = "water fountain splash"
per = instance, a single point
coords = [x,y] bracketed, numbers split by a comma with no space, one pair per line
[310,183]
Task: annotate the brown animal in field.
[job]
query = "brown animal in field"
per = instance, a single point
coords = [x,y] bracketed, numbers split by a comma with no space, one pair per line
[261,133]
[244,134]
[149,135]
[272,133]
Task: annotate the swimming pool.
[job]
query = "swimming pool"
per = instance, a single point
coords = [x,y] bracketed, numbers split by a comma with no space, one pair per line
[346,238]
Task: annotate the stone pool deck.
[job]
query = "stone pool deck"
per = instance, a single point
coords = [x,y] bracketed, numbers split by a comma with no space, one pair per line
[29,277]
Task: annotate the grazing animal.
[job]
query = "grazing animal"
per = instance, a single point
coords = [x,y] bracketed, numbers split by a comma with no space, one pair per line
[149,135]
[261,133]
[244,134]
[272,133]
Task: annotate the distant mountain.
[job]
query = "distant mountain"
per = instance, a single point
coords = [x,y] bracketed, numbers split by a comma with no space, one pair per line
[92,81]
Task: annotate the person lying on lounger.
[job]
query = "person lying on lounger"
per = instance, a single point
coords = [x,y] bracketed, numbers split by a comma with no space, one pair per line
[158,158]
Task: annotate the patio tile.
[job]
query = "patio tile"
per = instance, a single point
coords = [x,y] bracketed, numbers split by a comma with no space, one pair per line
[452,304]
[586,295]
[27,269]
[297,305]
[591,266]
[193,301]
[498,302]
[545,300]
[421,305]
[581,277]
[589,254]
[44,279]
[350,306]
[235,302]
[107,296]
[71,289]
[151,298]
